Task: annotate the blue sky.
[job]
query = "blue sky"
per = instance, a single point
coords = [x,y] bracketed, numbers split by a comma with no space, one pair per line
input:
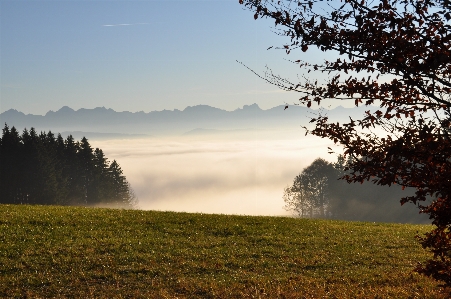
[135,55]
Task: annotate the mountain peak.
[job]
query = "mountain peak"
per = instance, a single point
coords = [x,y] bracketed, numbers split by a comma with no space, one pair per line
[200,108]
[251,107]
[13,111]
[65,109]
[102,109]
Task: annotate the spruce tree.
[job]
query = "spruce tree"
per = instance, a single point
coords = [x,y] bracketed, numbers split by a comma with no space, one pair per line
[10,166]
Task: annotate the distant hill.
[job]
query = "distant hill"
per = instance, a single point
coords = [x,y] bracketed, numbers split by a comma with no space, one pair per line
[201,117]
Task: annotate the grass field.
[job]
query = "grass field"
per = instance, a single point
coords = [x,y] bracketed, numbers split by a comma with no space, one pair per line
[67,252]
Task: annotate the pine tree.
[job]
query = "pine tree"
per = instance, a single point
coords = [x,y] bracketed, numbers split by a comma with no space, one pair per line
[85,158]
[73,171]
[101,181]
[10,166]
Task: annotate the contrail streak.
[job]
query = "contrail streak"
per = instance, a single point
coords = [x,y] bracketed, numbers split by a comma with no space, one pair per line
[125,24]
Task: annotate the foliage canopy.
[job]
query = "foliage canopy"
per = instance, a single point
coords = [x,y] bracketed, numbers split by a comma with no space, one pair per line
[394,54]
[309,194]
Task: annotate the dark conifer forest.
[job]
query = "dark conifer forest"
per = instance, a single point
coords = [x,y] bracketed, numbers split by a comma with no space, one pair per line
[48,170]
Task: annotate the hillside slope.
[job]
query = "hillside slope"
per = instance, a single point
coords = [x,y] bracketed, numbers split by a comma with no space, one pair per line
[104,253]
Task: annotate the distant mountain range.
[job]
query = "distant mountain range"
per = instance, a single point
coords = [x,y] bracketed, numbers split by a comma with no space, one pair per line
[201,119]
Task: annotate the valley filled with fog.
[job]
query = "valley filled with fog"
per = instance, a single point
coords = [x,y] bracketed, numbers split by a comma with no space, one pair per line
[235,172]
[201,159]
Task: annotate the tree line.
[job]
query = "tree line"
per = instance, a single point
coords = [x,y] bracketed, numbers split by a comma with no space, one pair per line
[318,192]
[48,170]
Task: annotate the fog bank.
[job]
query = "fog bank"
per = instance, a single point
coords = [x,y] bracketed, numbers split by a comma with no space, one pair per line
[234,173]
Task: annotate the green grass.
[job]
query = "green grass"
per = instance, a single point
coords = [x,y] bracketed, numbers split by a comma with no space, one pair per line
[67,252]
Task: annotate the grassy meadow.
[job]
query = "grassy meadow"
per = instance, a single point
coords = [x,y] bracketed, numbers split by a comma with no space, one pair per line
[74,252]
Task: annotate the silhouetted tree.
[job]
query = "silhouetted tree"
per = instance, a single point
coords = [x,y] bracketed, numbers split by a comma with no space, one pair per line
[101,188]
[310,193]
[296,197]
[395,54]
[120,186]
[10,163]
[73,171]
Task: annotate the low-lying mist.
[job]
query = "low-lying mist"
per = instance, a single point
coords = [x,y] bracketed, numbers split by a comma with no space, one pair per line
[242,172]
